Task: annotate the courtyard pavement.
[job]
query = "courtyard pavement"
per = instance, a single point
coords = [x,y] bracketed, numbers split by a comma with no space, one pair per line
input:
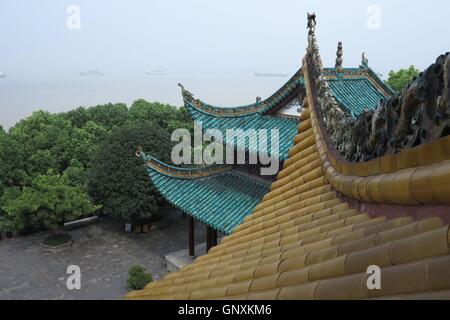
[104,253]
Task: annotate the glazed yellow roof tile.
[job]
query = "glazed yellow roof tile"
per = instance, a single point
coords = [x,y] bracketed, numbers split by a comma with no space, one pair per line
[303,242]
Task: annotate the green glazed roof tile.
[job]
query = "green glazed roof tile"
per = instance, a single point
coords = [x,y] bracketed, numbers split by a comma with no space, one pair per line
[220,200]
[355,94]
[355,89]
[287,128]
[221,197]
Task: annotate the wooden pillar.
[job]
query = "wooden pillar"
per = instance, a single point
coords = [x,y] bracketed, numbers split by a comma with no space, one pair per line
[211,238]
[208,238]
[214,238]
[191,236]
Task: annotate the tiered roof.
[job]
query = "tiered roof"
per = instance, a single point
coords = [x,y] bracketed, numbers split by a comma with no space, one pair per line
[287,128]
[304,241]
[355,89]
[215,195]
[286,93]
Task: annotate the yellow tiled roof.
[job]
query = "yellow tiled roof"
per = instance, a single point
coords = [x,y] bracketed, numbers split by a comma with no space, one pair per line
[304,242]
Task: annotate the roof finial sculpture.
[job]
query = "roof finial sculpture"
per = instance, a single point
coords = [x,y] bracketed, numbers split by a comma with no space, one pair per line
[339,59]
[364,61]
[138,151]
[186,94]
[311,23]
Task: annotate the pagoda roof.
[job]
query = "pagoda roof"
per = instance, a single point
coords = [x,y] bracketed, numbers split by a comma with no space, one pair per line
[287,128]
[287,92]
[305,240]
[357,89]
[217,195]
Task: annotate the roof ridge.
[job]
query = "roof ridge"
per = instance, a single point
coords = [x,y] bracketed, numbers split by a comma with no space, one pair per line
[251,179]
[373,75]
[222,115]
[365,72]
[258,107]
[182,172]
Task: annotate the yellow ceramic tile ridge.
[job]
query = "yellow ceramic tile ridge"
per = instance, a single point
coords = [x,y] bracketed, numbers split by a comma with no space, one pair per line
[400,187]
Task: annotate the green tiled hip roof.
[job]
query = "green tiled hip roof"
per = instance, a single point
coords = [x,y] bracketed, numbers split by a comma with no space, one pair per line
[219,199]
[355,94]
[287,128]
[355,89]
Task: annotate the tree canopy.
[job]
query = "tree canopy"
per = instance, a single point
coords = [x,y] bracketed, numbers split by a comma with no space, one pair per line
[45,161]
[48,203]
[398,80]
[118,180]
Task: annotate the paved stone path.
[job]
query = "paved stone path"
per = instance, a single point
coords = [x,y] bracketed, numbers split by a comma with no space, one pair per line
[103,252]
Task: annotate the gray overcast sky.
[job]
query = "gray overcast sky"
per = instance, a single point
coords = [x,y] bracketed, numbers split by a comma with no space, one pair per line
[212,47]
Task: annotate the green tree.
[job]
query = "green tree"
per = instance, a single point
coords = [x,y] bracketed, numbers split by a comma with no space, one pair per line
[76,175]
[84,142]
[43,141]
[109,115]
[65,144]
[78,117]
[13,163]
[398,80]
[47,204]
[46,141]
[165,115]
[9,222]
[117,179]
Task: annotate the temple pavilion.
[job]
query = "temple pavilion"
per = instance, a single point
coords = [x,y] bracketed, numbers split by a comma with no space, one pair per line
[313,230]
[222,196]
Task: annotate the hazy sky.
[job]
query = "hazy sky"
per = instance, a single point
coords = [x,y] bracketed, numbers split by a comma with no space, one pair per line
[212,47]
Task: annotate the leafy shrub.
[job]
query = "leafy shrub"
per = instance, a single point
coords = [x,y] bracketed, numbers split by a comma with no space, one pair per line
[400,79]
[48,160]
[47,203]
[138,278]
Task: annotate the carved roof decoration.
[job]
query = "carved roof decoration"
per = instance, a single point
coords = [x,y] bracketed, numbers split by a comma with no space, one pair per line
[339,59]
[364,81]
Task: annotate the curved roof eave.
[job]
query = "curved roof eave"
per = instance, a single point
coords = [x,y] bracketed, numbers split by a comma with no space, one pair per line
[287,128]
[214,195]
[259,107]
[376,86]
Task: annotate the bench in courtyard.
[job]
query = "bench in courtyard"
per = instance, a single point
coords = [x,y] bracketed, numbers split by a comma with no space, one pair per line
[81,222]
